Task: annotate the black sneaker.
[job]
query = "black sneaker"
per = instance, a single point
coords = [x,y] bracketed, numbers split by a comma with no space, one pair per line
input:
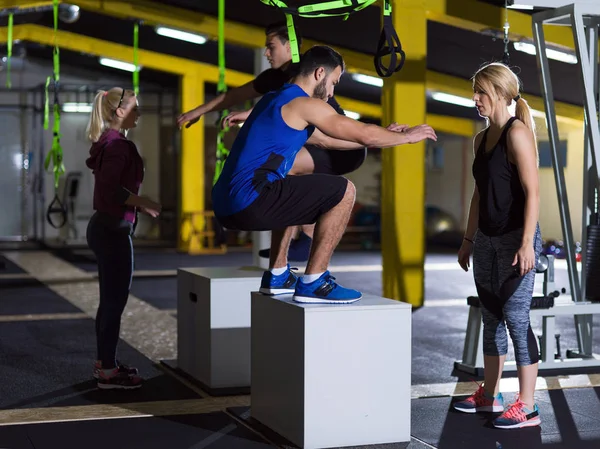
[118,380]
[122,369]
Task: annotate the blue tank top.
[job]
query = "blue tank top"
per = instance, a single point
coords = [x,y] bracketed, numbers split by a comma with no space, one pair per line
[263,152]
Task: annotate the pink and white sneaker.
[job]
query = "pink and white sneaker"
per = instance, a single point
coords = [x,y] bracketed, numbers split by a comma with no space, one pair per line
[517,416]
[480,402]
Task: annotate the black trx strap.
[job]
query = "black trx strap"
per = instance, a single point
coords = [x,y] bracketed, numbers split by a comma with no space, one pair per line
[389,44]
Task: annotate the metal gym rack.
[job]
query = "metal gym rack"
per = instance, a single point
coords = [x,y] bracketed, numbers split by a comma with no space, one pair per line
[583,17]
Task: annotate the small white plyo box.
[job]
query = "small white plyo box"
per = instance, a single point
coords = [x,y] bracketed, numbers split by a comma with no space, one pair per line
[332,375]
[213,324]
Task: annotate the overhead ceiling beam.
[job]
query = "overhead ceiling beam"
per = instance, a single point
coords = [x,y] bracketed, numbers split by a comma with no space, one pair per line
[16,6]
[152,60]
[180,66]
[466,14]
[157,14]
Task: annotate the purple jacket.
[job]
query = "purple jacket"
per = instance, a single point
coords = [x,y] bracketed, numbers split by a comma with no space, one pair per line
[118,171]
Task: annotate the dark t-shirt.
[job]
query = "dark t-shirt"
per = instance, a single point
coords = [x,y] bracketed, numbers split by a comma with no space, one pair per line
[274,79]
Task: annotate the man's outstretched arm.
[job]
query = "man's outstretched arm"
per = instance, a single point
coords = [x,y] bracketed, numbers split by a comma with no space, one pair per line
[223,101]
[325,142]
[302,112]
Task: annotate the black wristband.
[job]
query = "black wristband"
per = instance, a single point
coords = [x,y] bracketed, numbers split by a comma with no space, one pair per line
[468,240]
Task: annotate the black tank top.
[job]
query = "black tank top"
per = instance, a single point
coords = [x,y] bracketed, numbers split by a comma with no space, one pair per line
[501,195]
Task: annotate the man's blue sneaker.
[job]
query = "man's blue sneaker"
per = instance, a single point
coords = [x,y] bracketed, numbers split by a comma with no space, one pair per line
[278,285]
[325,291]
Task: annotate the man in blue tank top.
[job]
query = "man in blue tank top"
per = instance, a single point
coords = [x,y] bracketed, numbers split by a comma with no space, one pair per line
[255,193]
[311,158]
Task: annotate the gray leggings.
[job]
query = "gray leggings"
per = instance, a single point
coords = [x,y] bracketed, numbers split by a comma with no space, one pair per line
[505,296]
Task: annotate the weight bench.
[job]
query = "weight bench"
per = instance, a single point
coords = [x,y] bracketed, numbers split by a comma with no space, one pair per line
[548,307]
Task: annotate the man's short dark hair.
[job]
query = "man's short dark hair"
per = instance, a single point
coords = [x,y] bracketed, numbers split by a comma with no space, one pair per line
[320,56]
[280,30]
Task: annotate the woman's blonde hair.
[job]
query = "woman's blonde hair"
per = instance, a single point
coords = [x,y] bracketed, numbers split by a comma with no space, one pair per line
[103,112]
[502,84]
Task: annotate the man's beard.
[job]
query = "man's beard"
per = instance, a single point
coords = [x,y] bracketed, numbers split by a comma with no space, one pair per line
[320,91]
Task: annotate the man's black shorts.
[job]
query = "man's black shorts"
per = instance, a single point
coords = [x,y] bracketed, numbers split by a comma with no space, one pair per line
[294,200]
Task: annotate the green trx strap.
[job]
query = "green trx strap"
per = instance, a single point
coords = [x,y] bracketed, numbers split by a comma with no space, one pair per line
[136,72]
[55,155]
[10,48]
[222,151]
[389,42]
[325,9]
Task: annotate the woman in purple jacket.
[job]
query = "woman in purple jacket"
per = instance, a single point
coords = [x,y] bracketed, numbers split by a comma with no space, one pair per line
[118,173]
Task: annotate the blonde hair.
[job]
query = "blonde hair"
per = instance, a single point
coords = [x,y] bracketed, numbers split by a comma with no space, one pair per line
[502,84]
[103,114]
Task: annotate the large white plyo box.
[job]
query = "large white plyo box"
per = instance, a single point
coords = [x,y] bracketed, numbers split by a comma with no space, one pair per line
[213,324]
[332,375]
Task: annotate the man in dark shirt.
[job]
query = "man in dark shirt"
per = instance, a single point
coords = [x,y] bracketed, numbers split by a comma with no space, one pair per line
[310,159]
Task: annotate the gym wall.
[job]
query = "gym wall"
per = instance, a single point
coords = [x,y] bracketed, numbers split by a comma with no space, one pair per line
[18,198]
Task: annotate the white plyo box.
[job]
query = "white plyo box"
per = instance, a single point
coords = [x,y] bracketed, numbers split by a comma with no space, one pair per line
[332,375]
[213,324]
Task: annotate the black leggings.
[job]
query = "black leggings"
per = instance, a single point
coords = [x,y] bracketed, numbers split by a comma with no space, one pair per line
[110,240]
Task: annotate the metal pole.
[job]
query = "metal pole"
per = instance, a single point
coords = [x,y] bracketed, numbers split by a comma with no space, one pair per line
[590,183]
[589,85]
[559,177]
[588,55]
[588,62]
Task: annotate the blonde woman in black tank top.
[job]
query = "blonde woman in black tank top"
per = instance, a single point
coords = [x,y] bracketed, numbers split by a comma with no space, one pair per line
[504,237]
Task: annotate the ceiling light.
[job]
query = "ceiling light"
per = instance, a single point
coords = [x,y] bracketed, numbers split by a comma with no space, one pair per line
[366,79]
[117,64]
[181,35]
[453,99]
[77,107]
[557,55]
[68,13]
[352,114]
[523,7]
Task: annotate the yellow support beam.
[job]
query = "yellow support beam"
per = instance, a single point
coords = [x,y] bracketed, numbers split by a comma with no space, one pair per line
[451,125]
[237,33]
[181,66]
[153,60]
[192,181]
[471,15]
[16,5]
[446,11]
[403,168]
